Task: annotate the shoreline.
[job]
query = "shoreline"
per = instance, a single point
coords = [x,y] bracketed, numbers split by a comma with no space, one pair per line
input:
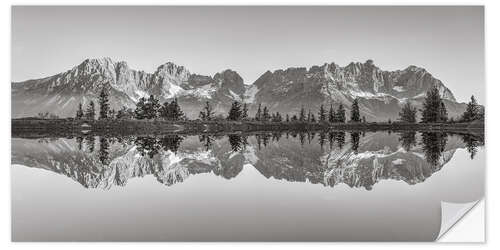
[66,127]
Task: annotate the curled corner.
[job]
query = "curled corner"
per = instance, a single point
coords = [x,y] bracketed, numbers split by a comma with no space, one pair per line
[451,213]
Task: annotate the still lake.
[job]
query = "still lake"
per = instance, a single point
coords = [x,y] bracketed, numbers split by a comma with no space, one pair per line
[316,186]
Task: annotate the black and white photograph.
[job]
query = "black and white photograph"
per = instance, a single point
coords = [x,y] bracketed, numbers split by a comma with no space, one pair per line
[245,123]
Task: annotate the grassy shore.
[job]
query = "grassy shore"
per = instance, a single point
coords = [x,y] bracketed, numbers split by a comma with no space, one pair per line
[68,126]
[24,127]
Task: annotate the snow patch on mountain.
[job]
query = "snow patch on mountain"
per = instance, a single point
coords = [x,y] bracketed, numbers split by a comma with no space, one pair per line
[398,161]
[398,88]
[250,92]
[205,91]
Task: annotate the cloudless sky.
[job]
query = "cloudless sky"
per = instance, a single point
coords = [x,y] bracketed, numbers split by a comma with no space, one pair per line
[447,41]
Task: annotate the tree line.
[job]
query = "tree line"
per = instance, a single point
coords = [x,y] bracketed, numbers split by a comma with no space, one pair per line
[433,110]
[149,108]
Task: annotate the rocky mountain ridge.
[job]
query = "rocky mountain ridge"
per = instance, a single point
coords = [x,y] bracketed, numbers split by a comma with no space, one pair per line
[380,93]
[61,93]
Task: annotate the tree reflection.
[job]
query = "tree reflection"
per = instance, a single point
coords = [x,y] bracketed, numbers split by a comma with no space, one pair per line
[276,136]
[408,139]
[340,138]
[310,136]
[262,140]
[355,141]
[434,144]
[284,159]
[472,142]
[331,139]
[171,142]
[302,138]
[103,150]
[151,146]
[207,141]
[237,142]
[147,146]
[79,142]
[90,143]
[322,139]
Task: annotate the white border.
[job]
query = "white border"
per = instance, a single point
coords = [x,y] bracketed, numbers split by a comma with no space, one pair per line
[493,102]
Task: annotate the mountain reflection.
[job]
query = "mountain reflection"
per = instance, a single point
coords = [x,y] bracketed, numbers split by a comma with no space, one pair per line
[315,157]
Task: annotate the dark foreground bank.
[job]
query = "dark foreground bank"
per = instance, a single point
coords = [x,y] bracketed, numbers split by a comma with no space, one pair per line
[52,127]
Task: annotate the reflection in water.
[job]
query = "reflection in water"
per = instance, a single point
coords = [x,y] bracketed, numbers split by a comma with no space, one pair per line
[237,142]
[434,145]
[207,141]
[355,141]
[79,142]
[339,137]
[472,142]
[151,146]
[408,140]
[90,143]
[371,157]
[103,150]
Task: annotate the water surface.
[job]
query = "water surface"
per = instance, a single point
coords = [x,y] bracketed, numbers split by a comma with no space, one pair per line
[332,186]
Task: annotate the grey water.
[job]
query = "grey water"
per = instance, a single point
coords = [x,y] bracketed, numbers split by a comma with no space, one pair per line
[315,186]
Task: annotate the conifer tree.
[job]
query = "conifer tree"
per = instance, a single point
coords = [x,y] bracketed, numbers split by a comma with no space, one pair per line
[151,107]
[287,118]
[355,116]
[331,114]
[340,114]
[234,112]
[279,117]
[433,107]
[322,113]
[244,111]
[265,114]
[175,109]
[408,113]
[258,115]
[112,114]
[103,104]
[302,115]
[140,109]
[165,111]
[207,113]
[443,114]
[472,112]
[79,112]
[90,112]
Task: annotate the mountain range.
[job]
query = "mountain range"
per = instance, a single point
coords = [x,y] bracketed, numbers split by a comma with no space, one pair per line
[380,93]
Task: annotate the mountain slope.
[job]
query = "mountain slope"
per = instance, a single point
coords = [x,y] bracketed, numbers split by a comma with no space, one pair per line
[61,93]
[381,93]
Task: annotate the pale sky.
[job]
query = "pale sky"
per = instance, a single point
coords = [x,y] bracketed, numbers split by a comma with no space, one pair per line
[447,41]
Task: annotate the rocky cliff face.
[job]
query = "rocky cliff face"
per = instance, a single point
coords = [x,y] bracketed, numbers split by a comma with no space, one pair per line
[61,93]
[381,93]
